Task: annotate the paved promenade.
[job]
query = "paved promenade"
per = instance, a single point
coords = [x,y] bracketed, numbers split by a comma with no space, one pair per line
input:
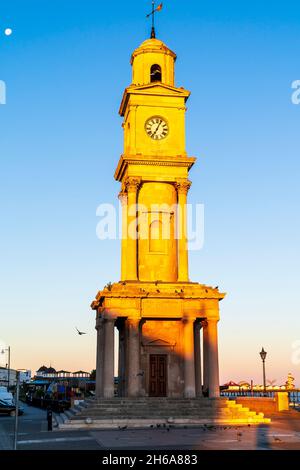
[33,434]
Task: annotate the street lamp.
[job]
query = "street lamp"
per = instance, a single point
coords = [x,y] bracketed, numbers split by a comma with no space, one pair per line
[8,372]
[17,410]
[263,355]
[17,395]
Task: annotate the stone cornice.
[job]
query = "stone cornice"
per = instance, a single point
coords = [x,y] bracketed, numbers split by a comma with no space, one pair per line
[159,290]
[177,161]
[151,89]
[161,49]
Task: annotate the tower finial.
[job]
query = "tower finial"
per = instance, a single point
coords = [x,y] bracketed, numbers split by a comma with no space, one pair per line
[152,14]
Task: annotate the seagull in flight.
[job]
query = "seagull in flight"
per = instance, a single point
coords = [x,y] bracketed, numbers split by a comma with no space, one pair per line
[80,332]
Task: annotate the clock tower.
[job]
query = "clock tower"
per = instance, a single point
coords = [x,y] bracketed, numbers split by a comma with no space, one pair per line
[167,324]
[154,168]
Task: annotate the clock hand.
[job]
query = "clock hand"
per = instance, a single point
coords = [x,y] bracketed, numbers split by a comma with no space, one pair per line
[157,127]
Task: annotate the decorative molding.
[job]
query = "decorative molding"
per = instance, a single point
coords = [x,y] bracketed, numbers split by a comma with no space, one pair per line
[157,163]
[159,343]
[152,89]
[163,49]
[178,161]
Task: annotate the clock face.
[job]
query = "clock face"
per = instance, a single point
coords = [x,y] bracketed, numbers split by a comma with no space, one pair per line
[156,128]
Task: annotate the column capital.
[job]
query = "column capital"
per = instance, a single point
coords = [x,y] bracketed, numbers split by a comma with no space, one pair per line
[132,184]
[187,319]
[208,321]
[133,321]
[183,186]
[212,320]
[110,319]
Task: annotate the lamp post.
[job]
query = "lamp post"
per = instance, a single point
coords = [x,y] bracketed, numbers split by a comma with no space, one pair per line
[17,395]
[17,410]
[8,371]
[263,355]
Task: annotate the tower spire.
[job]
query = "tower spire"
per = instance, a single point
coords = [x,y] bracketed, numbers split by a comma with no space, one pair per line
[152,14]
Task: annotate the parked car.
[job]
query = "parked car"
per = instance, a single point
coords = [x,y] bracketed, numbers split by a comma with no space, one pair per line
[9,408]
[7,404]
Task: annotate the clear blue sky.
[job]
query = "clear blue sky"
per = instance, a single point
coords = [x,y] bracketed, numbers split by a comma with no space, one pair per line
[65,66]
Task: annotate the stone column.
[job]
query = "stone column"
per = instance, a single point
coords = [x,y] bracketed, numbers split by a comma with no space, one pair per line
[122,356]
[132,185]
[183,268]
[205,358]
[213,359]
[189,360]
[100,356]
[123,199]
[108,372]
[133,377]
[198,378]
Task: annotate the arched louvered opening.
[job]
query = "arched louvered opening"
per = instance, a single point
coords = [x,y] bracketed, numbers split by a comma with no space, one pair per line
[155,73]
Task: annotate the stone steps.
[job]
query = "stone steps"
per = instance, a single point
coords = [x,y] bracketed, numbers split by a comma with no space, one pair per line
[145,412]
[142,423]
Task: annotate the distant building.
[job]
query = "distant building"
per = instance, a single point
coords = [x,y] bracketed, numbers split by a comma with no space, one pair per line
[81,373]
[244,386]
[50,380]
[46,372]
[25,376]
[63,373]
[50,373]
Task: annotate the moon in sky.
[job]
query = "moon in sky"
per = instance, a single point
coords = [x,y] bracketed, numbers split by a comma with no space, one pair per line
[8,31]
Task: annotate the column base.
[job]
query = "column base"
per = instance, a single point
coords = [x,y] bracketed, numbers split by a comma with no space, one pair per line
[134,395]
[108,393]
[189,392]
[214,394]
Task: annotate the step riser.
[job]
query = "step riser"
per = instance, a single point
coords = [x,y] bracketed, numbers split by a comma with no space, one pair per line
[155,400]
[165,413]
[158,405]
[109,424]
[152,408]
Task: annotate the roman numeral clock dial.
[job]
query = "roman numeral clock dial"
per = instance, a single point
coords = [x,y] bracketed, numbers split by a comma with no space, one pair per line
[156,128]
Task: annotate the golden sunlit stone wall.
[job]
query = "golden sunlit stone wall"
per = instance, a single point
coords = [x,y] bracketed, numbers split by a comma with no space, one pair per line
[157,247]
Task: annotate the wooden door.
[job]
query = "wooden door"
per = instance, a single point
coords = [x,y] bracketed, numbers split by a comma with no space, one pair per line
[158,375]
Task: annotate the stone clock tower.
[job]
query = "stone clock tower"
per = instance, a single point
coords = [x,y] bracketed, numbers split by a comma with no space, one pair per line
[167,324]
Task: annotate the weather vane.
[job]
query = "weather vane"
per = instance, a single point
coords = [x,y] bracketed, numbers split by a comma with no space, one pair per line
[154,10]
